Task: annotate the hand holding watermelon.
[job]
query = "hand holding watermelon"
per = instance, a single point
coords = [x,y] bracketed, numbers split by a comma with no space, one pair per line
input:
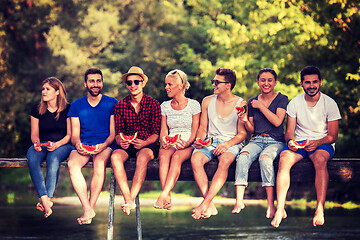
[88,149]
[293,145]
[241,109]
[168,141]
[47,144]
[200,143]
[128,138]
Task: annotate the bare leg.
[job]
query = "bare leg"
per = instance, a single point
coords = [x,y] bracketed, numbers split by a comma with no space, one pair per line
[118,159]
[198,160]
[239,204]
[144,156]
[204,210]
[164,200]
[97,182]
[75,164]
[287,160]
[164,163]
[320,159]
[268,175]
[45,205]
[270,211]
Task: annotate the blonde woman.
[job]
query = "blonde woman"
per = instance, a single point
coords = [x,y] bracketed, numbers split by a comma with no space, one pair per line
[49,124]
[180,115]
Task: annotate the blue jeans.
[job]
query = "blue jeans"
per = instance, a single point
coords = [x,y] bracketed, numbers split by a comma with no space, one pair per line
[53,160]
[257,148]
[208,151]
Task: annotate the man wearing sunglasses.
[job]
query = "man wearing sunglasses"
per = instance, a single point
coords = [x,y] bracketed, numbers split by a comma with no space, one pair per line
[219,120]
[141,115]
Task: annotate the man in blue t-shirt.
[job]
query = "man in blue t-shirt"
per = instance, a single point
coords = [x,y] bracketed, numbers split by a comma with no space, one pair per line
[92,123]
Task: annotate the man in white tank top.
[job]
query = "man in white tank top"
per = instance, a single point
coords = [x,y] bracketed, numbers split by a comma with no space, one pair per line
[313,117]
[219,121]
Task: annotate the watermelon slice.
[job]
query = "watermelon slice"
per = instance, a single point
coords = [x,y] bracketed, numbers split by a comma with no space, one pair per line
[241,109]
[301,145]
[204,143]
[89,148]
[129,138]
[46,144]
[171,140]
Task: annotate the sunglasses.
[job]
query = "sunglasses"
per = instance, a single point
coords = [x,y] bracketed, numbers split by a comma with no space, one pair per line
[130,83]
[216,82]
[174,72]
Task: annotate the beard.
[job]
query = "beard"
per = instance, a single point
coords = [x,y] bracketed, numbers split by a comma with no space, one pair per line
[311,94]
[92,93]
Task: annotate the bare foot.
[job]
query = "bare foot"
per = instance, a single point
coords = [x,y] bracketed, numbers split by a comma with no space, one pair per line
[163,202]
[48,213]
[40,207]
[212,210]
[238,207]
[87,217]
[198,212]
[270,211]
[318,218]
[127,207]
[278,217]
[168,206]
[204,212]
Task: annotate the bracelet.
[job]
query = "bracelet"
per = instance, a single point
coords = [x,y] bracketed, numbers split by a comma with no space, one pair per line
[289,141]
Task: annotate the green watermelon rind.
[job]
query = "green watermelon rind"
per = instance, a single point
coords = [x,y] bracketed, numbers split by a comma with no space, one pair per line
[238,108]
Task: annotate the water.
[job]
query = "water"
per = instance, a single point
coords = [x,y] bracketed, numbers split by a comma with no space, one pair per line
[20,220]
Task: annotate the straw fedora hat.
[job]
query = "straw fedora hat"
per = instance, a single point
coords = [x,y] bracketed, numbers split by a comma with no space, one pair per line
[134,70]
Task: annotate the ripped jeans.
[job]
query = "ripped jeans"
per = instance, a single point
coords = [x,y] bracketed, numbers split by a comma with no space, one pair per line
[266,149]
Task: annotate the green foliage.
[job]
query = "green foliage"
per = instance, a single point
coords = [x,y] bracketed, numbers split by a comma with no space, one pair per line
[63,38]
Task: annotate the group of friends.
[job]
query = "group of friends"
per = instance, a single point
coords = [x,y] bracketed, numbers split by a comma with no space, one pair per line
[97,119]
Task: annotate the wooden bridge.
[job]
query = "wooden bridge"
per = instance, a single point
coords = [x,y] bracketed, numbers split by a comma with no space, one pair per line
[340,170]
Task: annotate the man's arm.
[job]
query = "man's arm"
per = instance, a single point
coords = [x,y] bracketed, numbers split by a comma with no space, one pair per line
[111,137]
[75,135]
[290,133]
[333,128]
[238,138]
[203,127]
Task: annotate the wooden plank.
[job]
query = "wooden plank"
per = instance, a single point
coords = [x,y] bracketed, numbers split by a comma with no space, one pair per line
[340,169]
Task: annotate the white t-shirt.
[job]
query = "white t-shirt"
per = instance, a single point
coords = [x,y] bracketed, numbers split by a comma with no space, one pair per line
[312,122]
[222,128]
[180,121]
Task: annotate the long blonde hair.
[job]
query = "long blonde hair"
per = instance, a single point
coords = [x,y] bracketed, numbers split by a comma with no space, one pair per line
[61,98]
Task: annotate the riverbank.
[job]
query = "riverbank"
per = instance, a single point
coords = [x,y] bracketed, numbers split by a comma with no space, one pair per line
[149,199]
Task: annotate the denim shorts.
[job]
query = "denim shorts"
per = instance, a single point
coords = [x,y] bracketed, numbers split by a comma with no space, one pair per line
[208,151]
[327,147]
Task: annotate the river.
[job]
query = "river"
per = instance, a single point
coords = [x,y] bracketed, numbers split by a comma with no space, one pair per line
[20,220]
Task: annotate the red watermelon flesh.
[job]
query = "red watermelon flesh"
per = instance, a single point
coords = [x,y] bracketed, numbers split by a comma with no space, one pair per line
[128,138]
[89,148]
[172,140]
[205,143]
[46,144]
[241,109]
[303,144]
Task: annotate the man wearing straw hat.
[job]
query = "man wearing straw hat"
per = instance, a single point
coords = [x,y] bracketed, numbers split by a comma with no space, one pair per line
[135,115]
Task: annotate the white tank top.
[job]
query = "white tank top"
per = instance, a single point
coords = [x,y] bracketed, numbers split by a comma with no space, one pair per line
[222,128]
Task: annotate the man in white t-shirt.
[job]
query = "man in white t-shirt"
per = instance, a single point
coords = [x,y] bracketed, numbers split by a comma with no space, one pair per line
[313,117]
